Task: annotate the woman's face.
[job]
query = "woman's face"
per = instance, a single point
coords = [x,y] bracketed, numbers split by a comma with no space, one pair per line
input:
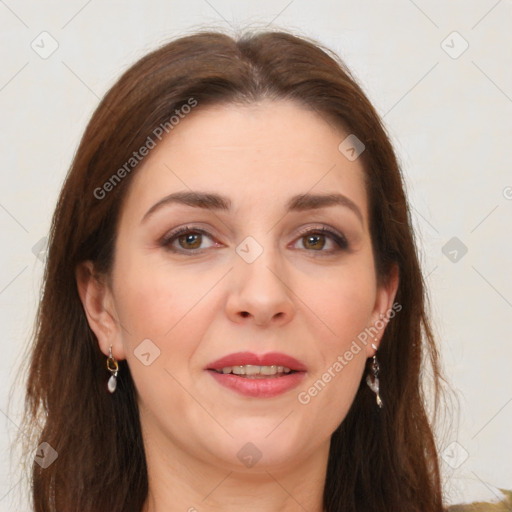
[244,247]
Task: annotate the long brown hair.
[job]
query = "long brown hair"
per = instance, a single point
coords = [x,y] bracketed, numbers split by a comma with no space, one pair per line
[380,460]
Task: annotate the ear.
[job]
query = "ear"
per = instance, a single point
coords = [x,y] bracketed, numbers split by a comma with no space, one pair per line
[98,303]
[385,308]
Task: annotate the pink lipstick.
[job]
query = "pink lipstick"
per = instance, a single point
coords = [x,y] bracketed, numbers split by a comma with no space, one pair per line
[258,376]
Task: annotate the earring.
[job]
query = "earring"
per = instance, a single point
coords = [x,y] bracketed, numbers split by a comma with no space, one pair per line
[372,379]
[112,367]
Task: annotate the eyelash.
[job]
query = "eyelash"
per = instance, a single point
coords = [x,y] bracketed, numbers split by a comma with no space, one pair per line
[337,238]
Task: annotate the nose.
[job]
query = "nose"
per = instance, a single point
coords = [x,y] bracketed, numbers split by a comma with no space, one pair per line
[259,293]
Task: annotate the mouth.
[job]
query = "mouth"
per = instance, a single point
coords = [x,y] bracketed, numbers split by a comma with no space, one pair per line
[258,376]
[250,371]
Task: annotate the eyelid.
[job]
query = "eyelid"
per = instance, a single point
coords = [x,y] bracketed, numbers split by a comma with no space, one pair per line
[167,240]
[337,236]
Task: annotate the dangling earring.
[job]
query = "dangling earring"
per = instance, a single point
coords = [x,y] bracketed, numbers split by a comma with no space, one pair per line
[112,367]
[372,379]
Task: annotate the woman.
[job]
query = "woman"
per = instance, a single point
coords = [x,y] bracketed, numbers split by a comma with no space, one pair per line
[233,314]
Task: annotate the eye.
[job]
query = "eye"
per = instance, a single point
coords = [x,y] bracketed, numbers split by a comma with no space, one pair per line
[188,240]
[321,240]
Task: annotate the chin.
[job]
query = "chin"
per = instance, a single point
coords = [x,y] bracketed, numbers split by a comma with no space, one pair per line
[255,445]
[272,446]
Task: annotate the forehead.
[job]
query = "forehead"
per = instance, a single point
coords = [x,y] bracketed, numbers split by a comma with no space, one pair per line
[256,155]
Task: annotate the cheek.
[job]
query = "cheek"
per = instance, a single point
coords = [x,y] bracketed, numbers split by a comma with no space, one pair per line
[173,310]
[164,313]
[154,300]
[343,304]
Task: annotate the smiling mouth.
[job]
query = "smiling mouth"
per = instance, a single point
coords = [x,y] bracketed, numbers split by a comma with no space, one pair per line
[251,371]
[258,375]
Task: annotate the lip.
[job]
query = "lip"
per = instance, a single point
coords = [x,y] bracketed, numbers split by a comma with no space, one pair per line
[261,387]
[268,359]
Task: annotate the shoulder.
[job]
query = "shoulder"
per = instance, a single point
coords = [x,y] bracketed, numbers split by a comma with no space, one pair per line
[503,506]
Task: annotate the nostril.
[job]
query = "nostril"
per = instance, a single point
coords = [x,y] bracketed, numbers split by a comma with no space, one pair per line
[245,314]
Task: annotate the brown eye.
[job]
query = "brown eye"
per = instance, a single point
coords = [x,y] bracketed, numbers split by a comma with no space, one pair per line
[190,240]
[322,241]
[314,241]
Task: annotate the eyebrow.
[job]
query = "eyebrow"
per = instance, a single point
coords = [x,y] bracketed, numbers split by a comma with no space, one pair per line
[297,203]
[195,199]
[316,201]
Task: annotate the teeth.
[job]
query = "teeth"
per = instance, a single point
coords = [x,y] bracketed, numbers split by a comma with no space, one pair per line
[268,370]
[250,369]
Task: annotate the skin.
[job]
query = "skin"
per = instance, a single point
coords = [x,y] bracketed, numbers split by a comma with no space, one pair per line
[308,298]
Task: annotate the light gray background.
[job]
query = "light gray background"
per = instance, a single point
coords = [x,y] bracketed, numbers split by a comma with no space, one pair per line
[449,116]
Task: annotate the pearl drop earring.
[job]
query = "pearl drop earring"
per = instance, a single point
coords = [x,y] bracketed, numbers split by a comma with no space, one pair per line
[113,368]
[372,379]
